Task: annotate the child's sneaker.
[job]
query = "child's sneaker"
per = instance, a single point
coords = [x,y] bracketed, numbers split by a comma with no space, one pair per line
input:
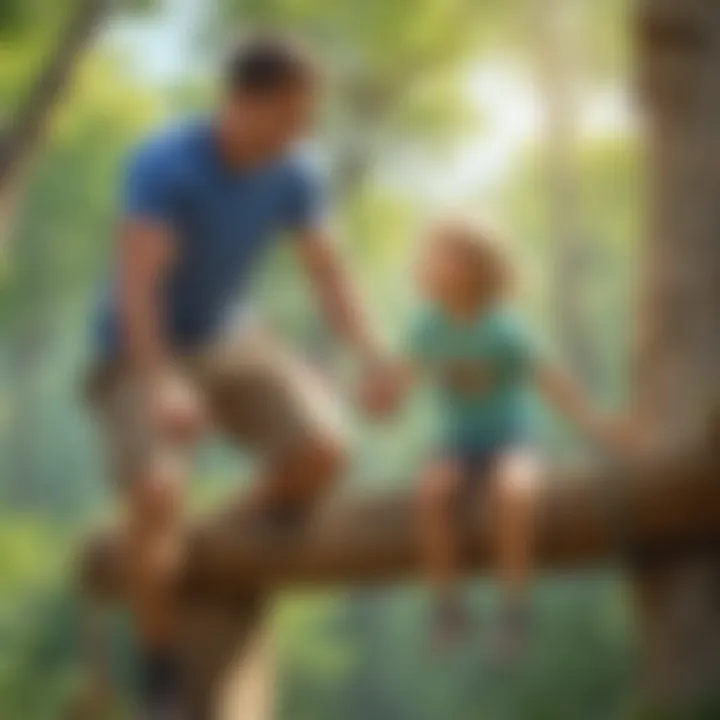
[451,625]
[509,635]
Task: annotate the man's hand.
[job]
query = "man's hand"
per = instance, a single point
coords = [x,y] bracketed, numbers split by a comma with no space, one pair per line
[383,389]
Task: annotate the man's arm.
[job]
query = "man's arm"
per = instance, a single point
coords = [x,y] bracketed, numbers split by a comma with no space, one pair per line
[146,254]
[338,297]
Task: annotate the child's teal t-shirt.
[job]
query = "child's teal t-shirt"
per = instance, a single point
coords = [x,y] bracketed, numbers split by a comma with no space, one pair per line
[482,373]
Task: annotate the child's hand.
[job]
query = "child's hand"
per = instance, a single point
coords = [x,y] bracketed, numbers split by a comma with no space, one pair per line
[382,391]
[622,436]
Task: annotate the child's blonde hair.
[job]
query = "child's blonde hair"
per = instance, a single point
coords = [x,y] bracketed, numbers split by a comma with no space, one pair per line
[491,269]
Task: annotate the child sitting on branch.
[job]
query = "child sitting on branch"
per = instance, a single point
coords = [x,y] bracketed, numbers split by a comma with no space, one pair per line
[485,369]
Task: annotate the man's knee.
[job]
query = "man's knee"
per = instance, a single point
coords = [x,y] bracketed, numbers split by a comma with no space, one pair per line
[155,493]
[153,535]
[321,460]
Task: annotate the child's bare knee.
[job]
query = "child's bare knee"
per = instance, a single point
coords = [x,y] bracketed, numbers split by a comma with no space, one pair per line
[516,481]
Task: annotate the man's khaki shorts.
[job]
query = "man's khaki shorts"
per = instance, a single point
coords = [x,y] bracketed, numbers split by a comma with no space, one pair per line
[257,394]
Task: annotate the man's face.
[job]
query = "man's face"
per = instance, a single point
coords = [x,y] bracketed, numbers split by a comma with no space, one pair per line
[274,122]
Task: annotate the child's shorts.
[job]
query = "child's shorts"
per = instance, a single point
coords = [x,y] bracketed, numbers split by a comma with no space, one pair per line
[476,464]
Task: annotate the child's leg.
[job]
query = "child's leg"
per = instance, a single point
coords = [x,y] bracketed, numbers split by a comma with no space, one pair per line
[438,491]
[515,476]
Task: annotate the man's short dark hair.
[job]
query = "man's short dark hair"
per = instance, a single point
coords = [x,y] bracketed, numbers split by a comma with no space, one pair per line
[265,64]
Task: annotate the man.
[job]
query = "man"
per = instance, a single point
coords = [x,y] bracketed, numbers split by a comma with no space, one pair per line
[202,204]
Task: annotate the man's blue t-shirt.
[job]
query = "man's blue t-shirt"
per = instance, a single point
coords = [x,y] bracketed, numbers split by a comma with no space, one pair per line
[222,219]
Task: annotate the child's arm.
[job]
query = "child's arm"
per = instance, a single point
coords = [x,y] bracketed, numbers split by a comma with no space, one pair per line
[559,389]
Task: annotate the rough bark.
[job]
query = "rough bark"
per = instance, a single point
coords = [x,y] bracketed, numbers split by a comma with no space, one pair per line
[20,138]
[679,354]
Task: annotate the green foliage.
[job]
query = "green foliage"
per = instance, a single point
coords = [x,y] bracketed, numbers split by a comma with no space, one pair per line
[37,619]
[50,271]
[392,68]
[390,40]
[707,710]
[611,197]
[28,29]
[368,655]
[22,17]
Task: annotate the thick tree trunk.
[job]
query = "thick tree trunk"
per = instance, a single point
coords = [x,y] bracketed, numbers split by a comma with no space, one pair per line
[679,354]
[19,140]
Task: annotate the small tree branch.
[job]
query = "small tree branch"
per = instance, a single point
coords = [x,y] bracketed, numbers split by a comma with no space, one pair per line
[20,138]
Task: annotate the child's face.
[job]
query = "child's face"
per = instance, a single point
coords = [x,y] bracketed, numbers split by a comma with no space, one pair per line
[442,275]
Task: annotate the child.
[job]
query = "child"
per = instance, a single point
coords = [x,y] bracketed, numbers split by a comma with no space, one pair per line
[484,367]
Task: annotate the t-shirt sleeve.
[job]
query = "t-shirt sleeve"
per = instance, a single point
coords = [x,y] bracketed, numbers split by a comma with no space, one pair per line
[421,339]
[306,205]
[148,188]
[522,349]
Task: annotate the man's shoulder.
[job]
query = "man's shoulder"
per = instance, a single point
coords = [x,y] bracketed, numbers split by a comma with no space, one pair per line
[168,148]
[302,189]
[300,168]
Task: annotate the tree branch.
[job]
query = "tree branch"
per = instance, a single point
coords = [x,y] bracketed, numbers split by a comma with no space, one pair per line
[22,135]
[585,519]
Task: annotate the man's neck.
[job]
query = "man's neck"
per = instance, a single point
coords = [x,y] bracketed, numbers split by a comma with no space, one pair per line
[235,149]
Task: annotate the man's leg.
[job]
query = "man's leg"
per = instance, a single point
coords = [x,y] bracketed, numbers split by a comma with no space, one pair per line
[150,476]
[271,402]
[152,554]
[152,544]
[296,477]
